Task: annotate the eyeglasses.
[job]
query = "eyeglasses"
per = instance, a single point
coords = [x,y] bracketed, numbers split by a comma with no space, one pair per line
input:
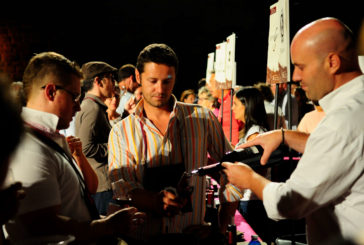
[75,96]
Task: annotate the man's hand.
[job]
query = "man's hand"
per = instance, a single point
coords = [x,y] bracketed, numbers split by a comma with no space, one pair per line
[130,105]
[163,203]
[75,145]
[171,204]
[238,174]
[125,220]
[269,141]
[243,177]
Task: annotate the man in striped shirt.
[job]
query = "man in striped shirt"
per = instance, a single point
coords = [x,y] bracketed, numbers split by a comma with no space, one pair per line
[161,133]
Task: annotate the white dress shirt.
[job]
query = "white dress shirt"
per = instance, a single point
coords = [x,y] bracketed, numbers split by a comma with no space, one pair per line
[47,177]
[327,187]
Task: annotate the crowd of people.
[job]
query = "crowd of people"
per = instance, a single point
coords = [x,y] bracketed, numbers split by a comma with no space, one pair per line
[105,154]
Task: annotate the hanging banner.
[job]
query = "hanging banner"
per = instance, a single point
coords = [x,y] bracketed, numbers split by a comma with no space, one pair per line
[230,68]
[278,64]
[224,66]
[210,66]
[220,65]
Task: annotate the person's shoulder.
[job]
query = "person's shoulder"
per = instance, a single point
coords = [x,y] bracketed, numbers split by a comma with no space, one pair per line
[255,129]
[124,124]
[33,149]
[89,105]
[193,108]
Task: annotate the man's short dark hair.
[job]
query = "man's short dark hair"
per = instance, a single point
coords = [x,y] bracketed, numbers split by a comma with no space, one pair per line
[49,64]
[157,53]
[126,71]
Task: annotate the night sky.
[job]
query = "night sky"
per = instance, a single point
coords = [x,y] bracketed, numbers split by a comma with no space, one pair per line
[115,31]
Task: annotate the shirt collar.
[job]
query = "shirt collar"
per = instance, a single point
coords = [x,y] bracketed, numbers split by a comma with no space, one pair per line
[139,109]
[47,124]
[342,94]
[41,120]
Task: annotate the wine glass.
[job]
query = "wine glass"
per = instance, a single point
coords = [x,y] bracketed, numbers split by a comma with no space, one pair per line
[122,198]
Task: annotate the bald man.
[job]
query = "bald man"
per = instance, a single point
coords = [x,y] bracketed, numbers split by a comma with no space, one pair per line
[327,187]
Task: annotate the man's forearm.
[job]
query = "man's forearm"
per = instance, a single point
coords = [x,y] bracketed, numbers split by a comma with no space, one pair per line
[295,139]
[88,173]
[257,184]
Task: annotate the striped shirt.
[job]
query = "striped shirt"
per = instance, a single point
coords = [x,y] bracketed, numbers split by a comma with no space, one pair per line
[193,132]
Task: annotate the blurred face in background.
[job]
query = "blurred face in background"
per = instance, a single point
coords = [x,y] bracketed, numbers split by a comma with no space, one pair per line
[190,99]
[113,102]
[107,87]
[130,84]
[212,86]
[204,101]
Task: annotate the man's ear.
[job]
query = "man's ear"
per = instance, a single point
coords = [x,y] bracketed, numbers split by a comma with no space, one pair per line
[98,81]
[50,91]
[137,76]
[334,62]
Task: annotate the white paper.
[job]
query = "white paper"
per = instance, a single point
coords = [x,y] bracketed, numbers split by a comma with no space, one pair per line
[278,64]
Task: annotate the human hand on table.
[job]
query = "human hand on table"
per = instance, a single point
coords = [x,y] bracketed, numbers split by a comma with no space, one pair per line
[125,220]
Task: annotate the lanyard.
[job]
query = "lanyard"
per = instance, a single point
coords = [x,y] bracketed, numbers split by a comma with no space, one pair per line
[49,142]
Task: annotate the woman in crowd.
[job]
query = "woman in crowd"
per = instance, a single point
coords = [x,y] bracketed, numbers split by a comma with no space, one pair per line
[206,99]
[112,104]
[188,96]
[248,107]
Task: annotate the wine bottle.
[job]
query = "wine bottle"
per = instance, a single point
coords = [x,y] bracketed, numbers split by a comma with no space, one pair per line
[250,156]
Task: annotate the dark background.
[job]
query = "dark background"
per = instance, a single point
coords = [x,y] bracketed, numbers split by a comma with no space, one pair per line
[115,31]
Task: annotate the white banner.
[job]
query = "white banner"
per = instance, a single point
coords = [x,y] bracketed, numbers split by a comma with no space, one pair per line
[230,70]
[210,66]
[225,65]
[278,64]
[220,65]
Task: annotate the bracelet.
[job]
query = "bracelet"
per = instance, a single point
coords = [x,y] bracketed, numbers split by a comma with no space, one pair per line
[282,136]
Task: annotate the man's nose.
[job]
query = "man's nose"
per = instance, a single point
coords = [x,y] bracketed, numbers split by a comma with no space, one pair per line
[159,87]
[296,77]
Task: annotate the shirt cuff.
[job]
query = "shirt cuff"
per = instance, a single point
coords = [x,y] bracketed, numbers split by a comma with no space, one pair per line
[270,194]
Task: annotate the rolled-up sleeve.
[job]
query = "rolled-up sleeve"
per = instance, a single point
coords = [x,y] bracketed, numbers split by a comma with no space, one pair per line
[325,173]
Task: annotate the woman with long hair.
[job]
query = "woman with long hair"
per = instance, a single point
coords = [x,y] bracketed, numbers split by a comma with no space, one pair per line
[112,104]
[248,107]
